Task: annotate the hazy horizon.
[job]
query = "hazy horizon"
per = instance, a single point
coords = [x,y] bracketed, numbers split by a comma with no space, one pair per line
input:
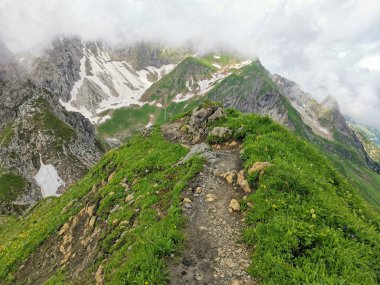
[328,47]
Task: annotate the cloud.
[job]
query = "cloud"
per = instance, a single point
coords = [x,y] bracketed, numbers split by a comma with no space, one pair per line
[327,46]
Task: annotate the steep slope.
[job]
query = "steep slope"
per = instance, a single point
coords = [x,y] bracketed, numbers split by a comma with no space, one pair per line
[218,77]
[370,138]
[122,223]
[307,223]
[46,146]
[117,225]
[251,90]
[43,148]
[176,92]
[91,77]
[328,130]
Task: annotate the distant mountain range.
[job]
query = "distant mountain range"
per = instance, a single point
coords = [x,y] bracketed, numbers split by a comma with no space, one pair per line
[124,89]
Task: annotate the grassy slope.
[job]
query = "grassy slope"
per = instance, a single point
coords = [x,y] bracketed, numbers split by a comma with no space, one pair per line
[174,82]
[308,224]
[148,162]
[125,121]
[46,120]
[11,185]
[346,158]
[242,82]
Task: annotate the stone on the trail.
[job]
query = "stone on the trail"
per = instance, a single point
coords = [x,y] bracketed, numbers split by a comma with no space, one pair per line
[242,182]
[210,197]
[259,167]
[198,190]
[234,205]
[233,143]
[186,201]
[228,262]
[202,150]
[221,132]
[230,176]
[129,198]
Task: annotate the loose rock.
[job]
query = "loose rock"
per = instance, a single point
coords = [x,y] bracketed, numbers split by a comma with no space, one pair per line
[234,205]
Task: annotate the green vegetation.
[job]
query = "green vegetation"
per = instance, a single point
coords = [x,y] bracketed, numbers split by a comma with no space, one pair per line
[46,119]
[242,82]
[308,224]
[136,236]
[6,135]
[174,83]
[223,59]
[11,186]
[126,120]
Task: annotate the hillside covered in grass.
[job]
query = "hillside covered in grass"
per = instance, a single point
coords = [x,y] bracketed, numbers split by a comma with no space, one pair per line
[308,225]
[123,222]
[125,212]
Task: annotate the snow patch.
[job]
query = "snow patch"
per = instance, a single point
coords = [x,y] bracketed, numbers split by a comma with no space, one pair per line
[120,84]
[105,118]
[203,86]
[180,98]
[48,179]
[324,130]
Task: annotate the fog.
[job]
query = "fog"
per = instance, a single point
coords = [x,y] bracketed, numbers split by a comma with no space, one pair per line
[329,47]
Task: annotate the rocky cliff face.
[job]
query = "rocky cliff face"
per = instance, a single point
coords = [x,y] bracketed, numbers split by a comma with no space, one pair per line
[37,135]
[91,77]
[325,119]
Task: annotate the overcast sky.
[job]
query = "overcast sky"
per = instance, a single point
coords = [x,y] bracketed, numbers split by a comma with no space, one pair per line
[327,46]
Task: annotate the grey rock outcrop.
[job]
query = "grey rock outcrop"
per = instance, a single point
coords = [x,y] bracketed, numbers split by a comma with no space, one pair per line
[202,150]
[35,126]
[199,119]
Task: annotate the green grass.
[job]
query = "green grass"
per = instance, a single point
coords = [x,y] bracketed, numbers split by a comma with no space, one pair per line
[308,224]
[223,60]
[126,120]
[45,119]
[6,136]
[240,84]
[134,253]
[174,82]
[11,186]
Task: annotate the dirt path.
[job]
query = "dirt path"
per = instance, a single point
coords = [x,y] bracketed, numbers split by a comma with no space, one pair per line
[214,253]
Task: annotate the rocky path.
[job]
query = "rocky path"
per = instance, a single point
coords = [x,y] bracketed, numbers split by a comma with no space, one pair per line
[214,252]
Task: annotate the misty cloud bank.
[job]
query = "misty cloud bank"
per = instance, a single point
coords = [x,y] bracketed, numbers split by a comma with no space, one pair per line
[327,46]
